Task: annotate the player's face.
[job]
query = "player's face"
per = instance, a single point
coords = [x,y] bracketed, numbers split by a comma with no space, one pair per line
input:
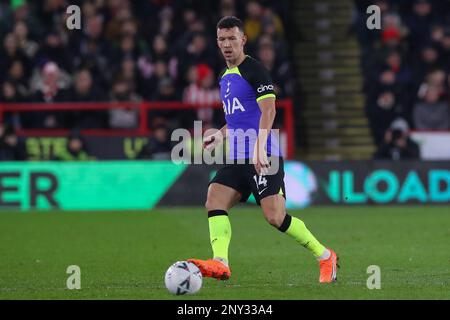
[231,43]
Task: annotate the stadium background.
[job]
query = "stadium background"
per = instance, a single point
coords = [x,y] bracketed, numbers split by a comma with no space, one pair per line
[86,117]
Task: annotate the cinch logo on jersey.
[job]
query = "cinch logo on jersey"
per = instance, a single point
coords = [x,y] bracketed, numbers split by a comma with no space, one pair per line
[263,88]
[230,106]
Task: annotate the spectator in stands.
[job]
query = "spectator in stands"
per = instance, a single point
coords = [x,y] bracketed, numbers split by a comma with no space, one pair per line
[47,82]
[130,45]
[387,80]
[94,31]
[53,49]
[166,16]
[199,50]
[84,90]
[263,21]
[271,24]
[166,90]
[160,50]
[391,37]
[150,18]
[75,149]
[428,60]
[11,148]
[279,71]
[393,75]
[395,62]
[435,78]
[93,50]
[51,13]
[203,92]
[28,46]
[9,94]
[184,30]
[16,76]
[437,33]
[120,12]
[129,72]
[226,8]
[160,71]
[129,28]
[381,113]
[123,118]
[50,85]
[92,57]
[397,144]
[89,9]
[445,48]
[393,30]
[420,22]
[278,44]
[20,10]
[159,145]
[11,52]
[253,24]
[432,113]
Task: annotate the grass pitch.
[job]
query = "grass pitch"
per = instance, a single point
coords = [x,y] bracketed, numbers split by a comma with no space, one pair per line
[124,255]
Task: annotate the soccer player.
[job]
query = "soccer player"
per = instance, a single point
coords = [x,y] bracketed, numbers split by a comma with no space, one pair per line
[248,99]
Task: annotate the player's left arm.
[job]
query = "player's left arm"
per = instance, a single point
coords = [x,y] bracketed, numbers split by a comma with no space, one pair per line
[261,81]
[268,112]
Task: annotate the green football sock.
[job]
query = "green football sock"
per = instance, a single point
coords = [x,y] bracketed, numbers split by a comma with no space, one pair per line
[296,228]
[219,233]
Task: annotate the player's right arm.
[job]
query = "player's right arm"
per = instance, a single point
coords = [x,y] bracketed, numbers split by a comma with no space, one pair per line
[213,140]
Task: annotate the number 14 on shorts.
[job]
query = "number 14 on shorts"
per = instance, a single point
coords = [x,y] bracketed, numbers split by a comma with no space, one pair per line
[260,181]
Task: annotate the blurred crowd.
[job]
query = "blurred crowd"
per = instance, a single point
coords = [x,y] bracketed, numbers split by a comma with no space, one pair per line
[406,67]
[154,50]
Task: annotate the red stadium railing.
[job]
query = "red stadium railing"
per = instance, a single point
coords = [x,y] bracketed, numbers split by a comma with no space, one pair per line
[145,106]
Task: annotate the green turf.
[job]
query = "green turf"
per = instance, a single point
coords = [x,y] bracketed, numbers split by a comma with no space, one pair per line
[124,255]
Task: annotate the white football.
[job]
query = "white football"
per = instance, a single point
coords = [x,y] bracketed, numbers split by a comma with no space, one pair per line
[183,277]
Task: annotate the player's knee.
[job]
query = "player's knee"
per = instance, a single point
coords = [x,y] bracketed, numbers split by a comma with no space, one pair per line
[212,204]
[273,217]
[208,205]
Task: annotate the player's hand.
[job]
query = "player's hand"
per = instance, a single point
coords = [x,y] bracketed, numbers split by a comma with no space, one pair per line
[210,142]
[261,161]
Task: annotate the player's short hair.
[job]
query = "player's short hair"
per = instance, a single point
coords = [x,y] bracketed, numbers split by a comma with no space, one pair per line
[230,22]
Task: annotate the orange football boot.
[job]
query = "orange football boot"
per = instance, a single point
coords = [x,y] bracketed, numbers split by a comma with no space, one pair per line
[328,268]
[212,268]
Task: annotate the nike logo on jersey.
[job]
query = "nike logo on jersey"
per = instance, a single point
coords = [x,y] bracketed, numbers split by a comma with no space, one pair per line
[231,106]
